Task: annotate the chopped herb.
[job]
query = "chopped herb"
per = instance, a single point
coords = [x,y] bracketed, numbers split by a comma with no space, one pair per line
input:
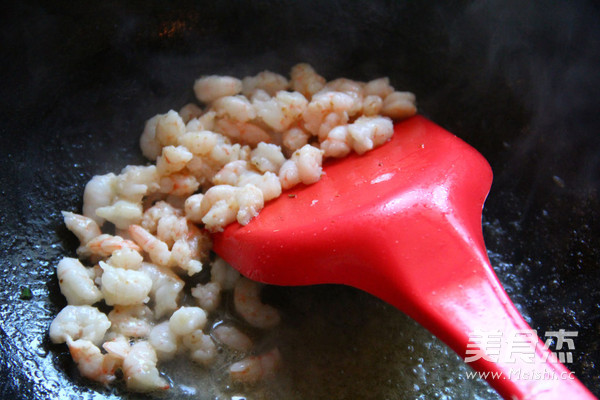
[291,195]
[26,293]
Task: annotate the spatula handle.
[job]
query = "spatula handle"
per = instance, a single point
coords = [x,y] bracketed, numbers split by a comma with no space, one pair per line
[446,284]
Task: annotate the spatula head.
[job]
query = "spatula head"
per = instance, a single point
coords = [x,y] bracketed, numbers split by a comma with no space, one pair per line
[329,231]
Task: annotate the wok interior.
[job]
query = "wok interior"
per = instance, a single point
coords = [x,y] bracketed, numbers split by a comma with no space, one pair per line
[517,81]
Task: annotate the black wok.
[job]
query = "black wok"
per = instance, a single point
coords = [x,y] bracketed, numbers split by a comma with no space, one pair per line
[517,80]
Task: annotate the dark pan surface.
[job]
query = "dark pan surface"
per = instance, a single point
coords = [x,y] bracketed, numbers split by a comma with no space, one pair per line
[517,80]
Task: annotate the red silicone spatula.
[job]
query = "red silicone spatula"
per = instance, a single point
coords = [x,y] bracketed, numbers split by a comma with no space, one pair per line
[403,222]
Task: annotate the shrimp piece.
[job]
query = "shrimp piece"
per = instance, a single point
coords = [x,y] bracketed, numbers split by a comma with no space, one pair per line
[288,174]
[294,138]
[255,368]
[139,369]
[203,349]
[200,143]
[305,166]
[372,105]
[131,321]
[164,341]
[148,142]
[205,122]
[76,282]
[171,228]
[209,88]
[136,181]
[352,88]
[79,322]
[126,258]
[208,295]
[91,363]
[118,347]
[179,184]
[156,248]
[237,108]
[250,201]
[190,111]
[169,127]
[378,87]
[337,143]
[246,298]
[186,320]
[84,228]
[189,250]
[267,157]
[223,274]
[218,207]
[230,173]
[232,337]
[99,192]
[166,289]
[399,105]
[104,245]
[268,183]
[122,213]
[124,286]
[327,110]
[192,208]
[370,132]
[305,80]
[268,81]
[242,132]
[153,214]
[172,159]
[281,111]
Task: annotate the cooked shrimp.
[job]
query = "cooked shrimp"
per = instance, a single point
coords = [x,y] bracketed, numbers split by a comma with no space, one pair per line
[207,295]
[294,138]
[399,105]
[282,110]
[268,81]
[121,213]
[76,282]
[149,144]
[139,369]
[79,322]
[267,157]
[136,181]
[255,368]
[223,274]
[305,80]
[190,111]
[166,288]
[192,208]
[370,132]
[337,143]
[288,174]
[330,107]
[186,320]
[169,127]
[153,214]
[131,321]
[232,337]
[210,88]
[246,298]
[172,159]
[243,132]
[203,349]
[118,347]
[90,361]
[157,249]
[237,108]
[124,286]
[104,245]
[179,184]
[164,341]
[99,192]
[125,258]
[84,228]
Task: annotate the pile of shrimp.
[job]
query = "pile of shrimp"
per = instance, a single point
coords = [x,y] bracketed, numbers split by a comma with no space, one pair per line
[145,232]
